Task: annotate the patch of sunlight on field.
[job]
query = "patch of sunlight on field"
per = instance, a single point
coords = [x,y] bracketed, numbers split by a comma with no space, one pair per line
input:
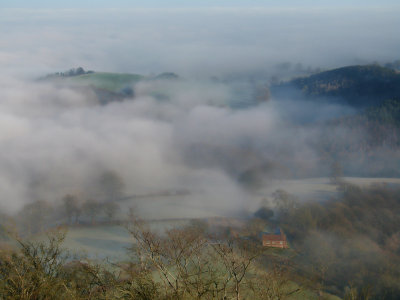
[113,82]
[111,241]
[99,241]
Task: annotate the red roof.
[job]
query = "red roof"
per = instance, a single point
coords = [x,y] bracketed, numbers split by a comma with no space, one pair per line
[273,237]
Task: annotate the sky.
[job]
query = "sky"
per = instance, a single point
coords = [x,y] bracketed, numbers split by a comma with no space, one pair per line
[194,38]
[193,3]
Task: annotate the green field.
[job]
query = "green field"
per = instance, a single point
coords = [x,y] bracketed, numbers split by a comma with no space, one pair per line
[113,82]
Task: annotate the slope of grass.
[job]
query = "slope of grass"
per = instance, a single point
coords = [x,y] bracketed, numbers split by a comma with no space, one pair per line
[99,241]
[113,82]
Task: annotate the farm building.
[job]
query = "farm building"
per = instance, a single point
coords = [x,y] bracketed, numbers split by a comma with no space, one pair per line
[276,240]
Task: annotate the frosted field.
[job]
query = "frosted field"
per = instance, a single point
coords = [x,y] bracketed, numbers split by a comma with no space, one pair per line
[174,211]
[203,205]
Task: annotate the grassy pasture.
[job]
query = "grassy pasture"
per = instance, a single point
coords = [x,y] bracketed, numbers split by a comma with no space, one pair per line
[113,82]
[99,241]
[109,241]
[170,211]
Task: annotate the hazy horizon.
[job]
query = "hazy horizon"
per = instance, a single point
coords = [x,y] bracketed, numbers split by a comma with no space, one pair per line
[194,40]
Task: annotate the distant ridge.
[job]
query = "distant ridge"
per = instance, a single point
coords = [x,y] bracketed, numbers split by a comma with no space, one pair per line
[359,86]
[111,82]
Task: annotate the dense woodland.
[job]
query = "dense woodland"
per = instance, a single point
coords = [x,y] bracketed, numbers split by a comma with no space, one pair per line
[352,240]
[358,86]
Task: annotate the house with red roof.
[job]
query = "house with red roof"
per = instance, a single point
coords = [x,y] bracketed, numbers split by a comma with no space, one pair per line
[276,240]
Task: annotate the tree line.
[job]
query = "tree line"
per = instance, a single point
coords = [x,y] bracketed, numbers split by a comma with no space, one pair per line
[180,263]
[350,243]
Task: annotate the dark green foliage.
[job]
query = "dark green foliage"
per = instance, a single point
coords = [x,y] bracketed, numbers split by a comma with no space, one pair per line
[387,113]
[359,86]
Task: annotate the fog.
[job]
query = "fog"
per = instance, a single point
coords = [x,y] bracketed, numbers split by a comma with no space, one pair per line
[194,41]
[57,140]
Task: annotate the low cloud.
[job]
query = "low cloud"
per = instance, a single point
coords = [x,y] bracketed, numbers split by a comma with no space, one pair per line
[173,134]
[58,139]
[194,41]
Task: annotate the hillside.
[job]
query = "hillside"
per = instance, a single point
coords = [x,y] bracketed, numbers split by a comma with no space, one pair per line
[358,86]
[113,82]
[107,86]
[110,82]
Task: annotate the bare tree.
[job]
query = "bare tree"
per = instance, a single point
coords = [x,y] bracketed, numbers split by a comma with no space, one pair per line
[92,209]
[276,283]
[36,271]
[150,250]
[71,206]
[183,258]
[34,216]
[110,209]
[285,202]
[237,256]
[336,175]
[111,186]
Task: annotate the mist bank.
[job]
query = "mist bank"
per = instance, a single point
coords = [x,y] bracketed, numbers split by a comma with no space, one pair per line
[179,147]
[195,41]
[172,135]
